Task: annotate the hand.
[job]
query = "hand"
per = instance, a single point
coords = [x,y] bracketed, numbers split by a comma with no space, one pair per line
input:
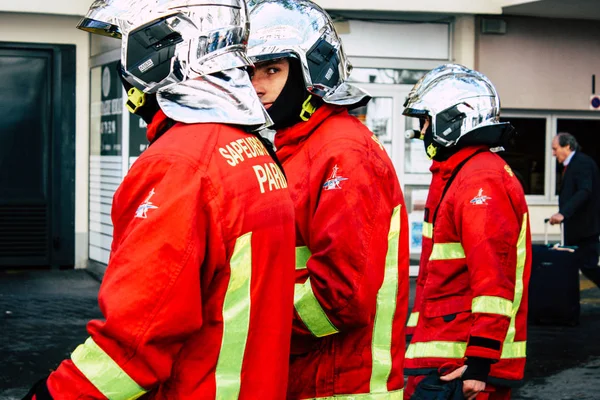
[556,219]
[471,388]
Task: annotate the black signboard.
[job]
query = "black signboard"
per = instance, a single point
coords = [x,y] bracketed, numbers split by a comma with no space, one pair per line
[111,112]
[137,136]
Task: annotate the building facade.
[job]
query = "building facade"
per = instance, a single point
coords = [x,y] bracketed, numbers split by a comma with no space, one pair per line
[542,57]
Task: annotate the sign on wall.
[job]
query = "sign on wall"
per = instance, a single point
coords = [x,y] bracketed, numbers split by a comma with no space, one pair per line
[595,102]
[137,136]
[106,156]
[111,112]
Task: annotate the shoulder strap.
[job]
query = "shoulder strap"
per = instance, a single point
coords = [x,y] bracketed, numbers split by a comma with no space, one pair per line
[449,183]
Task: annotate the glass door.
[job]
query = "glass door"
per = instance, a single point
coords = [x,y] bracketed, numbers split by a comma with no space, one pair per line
[383,116]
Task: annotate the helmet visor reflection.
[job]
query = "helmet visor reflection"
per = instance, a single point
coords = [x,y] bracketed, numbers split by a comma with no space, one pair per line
[99,28]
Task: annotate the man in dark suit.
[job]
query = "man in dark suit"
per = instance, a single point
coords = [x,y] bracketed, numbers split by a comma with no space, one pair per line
[579,203]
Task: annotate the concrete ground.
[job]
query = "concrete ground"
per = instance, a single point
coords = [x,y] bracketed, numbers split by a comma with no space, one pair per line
[43,316]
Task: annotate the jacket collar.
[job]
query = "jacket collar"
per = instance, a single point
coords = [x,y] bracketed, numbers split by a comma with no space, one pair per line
[158,122]
[446,167]
[287,140]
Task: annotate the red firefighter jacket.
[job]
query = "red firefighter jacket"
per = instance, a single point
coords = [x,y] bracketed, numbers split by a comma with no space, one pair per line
[199,287]
[474,294]
[433,199]
[351,260]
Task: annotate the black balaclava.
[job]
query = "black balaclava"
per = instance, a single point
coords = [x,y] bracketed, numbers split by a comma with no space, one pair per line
[496,135]
[285,110]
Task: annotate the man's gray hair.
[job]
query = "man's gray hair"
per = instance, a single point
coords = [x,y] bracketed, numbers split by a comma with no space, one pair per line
[566,139]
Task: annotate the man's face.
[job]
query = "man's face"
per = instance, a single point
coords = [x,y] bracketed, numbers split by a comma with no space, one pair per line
[561,153]
[269,78]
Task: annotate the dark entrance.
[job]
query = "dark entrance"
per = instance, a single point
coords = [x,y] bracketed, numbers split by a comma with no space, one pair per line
[37,155]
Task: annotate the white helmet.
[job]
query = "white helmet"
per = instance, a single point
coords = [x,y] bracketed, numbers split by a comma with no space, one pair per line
[170,41]
[303,30]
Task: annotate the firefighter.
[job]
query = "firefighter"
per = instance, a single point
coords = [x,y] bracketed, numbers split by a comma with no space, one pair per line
[199,286]
[433,197]
[350,302]
[471,325]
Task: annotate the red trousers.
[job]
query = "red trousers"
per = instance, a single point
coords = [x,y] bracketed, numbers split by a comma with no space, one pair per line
[491,392]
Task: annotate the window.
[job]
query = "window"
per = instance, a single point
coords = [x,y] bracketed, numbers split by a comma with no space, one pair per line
[377,116]
[386,75]
[526,153]
[586,132]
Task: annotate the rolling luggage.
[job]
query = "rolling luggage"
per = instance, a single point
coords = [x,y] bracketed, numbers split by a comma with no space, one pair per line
[554,284]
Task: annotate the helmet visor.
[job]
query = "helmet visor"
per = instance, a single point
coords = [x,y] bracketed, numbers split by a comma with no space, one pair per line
[99,28]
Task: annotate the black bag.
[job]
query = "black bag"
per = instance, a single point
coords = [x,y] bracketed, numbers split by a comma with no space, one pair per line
[432,388]
[554,286]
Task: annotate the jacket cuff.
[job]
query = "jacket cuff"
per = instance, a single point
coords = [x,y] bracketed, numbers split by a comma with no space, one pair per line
[478,369]
[484,348]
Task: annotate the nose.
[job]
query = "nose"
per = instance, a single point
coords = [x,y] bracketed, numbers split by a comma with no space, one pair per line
[259,88]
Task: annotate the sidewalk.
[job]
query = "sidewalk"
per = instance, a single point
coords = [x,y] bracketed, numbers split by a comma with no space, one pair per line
[43,316]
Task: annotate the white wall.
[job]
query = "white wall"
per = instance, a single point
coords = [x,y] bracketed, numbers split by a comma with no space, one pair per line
[542,63]
[434,6]
[34,28]
[80,7]
[396,40]
[463,41]
[63,7]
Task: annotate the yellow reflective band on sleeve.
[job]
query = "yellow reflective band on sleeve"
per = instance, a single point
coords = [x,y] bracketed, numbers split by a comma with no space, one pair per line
[427,230]
[514,350]
[302,256]
[386,308]
[394,395]
[436,350]
[104,373]
[413,320]
[509,342]
[447,251]
[492,305]
[236,321]
[311,312]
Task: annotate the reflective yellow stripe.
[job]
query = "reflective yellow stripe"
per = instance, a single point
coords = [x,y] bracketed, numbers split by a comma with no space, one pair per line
[394,395]
[386,308]
[302,256]
[458,349]
[311,312]
[236,320]
[521,256]
[492,305]
[427,230]
[104,373]
[447,251]
[412,320]
[510,348]
[514,350]
[436,350]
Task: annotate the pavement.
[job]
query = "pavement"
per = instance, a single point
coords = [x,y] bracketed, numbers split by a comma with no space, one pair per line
[43,314]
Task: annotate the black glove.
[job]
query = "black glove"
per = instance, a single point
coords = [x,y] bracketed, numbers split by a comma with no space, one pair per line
[40,390]
[478,369]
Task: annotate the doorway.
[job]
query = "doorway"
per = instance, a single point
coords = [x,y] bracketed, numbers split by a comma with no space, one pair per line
[37,155]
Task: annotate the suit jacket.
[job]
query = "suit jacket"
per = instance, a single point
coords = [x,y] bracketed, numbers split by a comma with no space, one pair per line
[579,199]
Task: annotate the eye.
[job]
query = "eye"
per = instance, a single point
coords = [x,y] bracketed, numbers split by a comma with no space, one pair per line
[273,70]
